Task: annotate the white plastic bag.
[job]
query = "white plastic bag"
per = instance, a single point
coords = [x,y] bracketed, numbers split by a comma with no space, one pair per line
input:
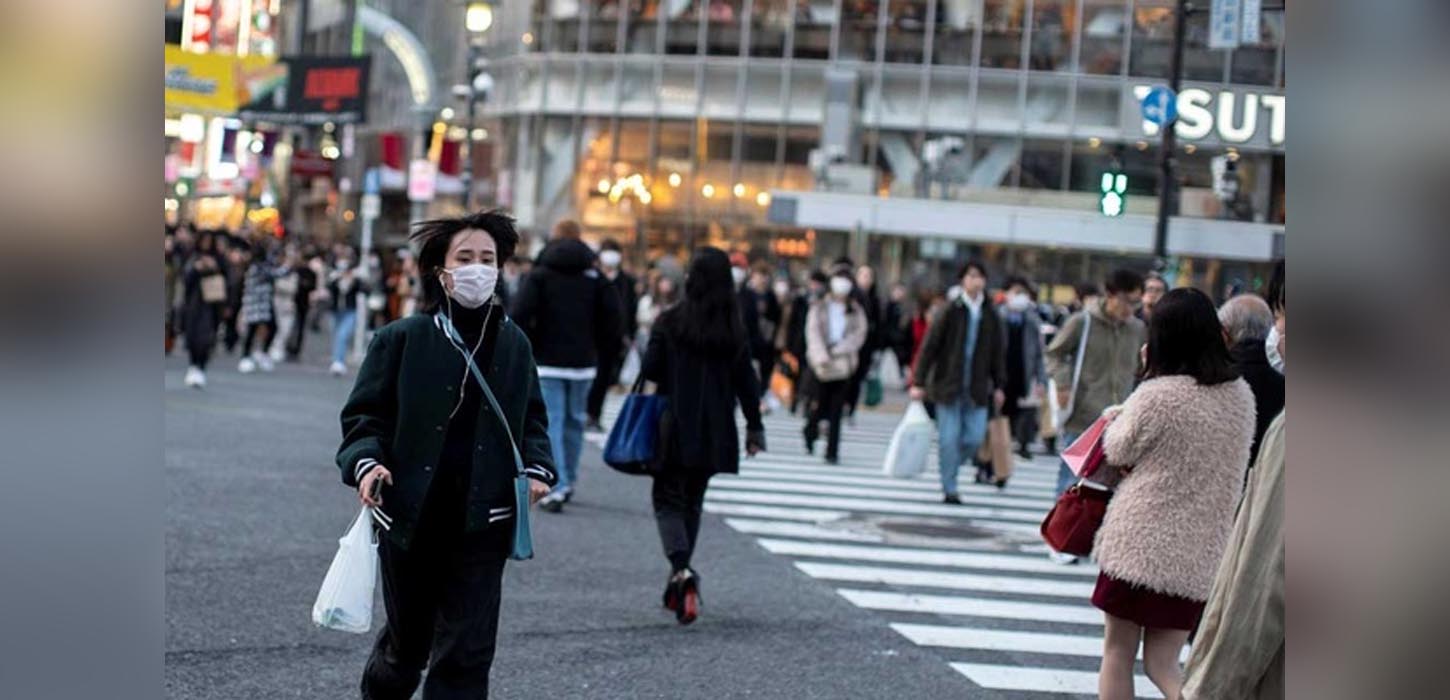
[1054,409]
[629,370]
[345,601]
[910,444]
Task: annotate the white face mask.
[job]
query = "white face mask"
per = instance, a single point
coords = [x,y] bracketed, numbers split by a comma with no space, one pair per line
[840,286]
[473,284]
[738,274]
[610,258]
[1018,302]
[1271,350]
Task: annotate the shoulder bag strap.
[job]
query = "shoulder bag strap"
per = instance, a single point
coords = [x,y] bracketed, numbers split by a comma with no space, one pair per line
[487,392]
[1087,326]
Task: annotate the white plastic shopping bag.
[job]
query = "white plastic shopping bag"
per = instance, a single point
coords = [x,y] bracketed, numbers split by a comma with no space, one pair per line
[629,370]
[345,601]
[910,444]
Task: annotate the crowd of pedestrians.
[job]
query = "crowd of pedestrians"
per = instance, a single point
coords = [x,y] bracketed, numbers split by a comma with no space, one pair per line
[1191,538]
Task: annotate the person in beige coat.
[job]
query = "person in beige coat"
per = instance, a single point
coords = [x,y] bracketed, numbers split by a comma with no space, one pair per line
[835,331]
[1239,652]
[1182,440]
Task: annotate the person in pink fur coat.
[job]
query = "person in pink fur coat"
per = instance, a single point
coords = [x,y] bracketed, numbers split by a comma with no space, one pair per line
[1179,446]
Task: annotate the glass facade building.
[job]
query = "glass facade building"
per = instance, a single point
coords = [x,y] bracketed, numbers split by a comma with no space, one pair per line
[909,132]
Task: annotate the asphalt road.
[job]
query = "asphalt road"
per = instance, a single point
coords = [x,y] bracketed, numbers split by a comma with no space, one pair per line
[254,508]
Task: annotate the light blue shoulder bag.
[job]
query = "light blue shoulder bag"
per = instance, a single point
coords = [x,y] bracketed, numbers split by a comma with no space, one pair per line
[523,545]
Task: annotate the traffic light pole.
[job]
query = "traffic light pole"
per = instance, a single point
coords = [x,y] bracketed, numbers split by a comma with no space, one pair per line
[1168,162]
[467,151]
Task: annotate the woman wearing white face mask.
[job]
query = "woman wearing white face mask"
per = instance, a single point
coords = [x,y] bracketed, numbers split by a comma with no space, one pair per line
[835,331]
[428,450]
[1026,372]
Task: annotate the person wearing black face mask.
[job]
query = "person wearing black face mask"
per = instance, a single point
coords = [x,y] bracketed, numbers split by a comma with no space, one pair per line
[434,458]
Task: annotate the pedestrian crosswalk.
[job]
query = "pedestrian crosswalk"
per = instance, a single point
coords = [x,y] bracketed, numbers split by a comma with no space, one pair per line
[971,582]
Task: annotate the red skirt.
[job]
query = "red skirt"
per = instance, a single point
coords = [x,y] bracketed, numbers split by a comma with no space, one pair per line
[1145,607]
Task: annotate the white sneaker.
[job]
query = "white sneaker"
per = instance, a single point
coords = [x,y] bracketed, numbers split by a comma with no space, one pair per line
[337,369]
[247,365]
[263,362]
[278,353]
[192,374]
[1063,558]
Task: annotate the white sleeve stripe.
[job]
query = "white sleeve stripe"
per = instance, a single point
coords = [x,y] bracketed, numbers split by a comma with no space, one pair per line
[379,517]
[363,465]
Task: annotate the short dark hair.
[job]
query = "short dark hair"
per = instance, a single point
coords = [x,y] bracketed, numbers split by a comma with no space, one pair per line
[568,228]
[1020,281]
[1154,276]
[1185,337]
[969,266]
[820,276]
[610,244]
[433,238]
[1275,293]
[1123,280]
[1086,289]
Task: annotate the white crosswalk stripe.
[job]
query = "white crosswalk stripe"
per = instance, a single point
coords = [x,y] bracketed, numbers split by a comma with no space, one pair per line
[969,581]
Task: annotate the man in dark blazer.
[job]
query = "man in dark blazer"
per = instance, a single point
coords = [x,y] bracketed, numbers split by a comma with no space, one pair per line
[962,369]
[1246,322]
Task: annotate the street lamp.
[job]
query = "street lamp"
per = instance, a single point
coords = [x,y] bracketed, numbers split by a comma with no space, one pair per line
[476,19]
[479,17]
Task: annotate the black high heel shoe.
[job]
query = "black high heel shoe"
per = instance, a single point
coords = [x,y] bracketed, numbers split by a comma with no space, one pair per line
[689,609]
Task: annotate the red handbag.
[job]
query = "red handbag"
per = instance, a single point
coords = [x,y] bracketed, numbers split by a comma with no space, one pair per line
[1073,522]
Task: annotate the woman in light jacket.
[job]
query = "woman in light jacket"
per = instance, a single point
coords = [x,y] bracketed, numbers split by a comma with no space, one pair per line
[836,330]
[1182,440]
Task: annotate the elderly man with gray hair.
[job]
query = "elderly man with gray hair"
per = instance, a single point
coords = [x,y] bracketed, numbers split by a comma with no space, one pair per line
[1246,321]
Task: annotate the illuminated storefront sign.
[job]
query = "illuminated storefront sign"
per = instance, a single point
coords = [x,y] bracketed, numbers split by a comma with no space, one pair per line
[213,83]
[1229,117]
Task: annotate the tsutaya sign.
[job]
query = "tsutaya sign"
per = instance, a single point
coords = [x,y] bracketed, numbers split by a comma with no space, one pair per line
[1229,117]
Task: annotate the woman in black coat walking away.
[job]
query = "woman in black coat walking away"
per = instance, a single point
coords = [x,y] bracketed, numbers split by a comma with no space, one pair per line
[698,357]
[204,285]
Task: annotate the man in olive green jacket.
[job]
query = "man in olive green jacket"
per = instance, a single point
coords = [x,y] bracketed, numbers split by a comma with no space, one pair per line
[1110,359]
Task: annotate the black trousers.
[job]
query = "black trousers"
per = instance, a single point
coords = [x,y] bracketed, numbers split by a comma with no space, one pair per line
[830,400]
[199,352]
[767,370]
[442,598]
[269,329]
[863,368]
[605,378]
[679,496]
[299,329]
[1024,424]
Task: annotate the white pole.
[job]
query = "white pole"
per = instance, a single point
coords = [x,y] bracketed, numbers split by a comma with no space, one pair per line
[364,273]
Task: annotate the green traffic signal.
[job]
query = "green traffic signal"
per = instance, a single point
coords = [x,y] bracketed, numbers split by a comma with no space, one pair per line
[1113,194]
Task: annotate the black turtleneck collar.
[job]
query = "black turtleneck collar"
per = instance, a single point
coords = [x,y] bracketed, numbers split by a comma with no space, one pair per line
[469,322]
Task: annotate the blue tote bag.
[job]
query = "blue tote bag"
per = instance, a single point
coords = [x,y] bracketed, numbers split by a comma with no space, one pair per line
[634,441]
